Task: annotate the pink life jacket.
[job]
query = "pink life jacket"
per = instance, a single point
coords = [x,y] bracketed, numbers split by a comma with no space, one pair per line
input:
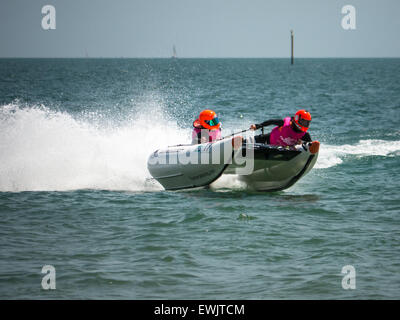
[212,134]
[285,135]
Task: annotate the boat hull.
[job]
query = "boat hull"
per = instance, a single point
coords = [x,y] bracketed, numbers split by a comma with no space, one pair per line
[276,168]
[273,168]
[190,166]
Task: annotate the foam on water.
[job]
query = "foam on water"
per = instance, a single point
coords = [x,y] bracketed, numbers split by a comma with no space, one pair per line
[45,150]
[228,182]
[331,155]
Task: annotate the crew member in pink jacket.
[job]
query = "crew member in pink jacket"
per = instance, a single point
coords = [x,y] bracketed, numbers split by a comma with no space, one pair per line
[206,128]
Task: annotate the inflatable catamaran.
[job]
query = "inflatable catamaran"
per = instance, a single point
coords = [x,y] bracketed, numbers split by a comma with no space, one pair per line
[262,167]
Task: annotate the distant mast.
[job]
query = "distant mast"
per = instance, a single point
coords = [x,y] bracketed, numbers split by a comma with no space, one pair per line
[292,49]
[174,52]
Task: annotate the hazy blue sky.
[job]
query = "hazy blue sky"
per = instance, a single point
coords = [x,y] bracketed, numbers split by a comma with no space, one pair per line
[201,28]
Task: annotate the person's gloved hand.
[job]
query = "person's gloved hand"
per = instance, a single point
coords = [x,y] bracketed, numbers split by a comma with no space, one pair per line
[314,147]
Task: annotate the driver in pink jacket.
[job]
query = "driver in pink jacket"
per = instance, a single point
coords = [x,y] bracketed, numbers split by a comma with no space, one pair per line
[288,132]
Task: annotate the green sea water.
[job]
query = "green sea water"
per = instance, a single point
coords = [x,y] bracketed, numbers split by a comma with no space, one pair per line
[75,135]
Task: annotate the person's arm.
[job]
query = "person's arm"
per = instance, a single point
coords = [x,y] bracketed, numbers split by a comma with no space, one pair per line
[306,138]
[277,122]
[196,137]
[201,137]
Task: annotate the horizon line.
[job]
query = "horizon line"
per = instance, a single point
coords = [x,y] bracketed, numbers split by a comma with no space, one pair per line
[178,58]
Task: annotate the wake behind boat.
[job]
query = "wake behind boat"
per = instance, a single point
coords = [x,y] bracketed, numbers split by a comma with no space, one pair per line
[263,167]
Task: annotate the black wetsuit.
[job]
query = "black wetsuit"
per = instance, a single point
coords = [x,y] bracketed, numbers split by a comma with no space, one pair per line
[264,138]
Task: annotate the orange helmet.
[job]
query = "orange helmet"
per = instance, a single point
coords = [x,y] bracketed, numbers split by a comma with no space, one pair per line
[209,120]
[302,120]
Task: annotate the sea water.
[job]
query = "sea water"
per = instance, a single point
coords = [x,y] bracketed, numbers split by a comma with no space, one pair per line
[75,193]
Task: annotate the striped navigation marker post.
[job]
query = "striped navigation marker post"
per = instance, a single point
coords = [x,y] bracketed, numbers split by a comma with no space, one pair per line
[291,38]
